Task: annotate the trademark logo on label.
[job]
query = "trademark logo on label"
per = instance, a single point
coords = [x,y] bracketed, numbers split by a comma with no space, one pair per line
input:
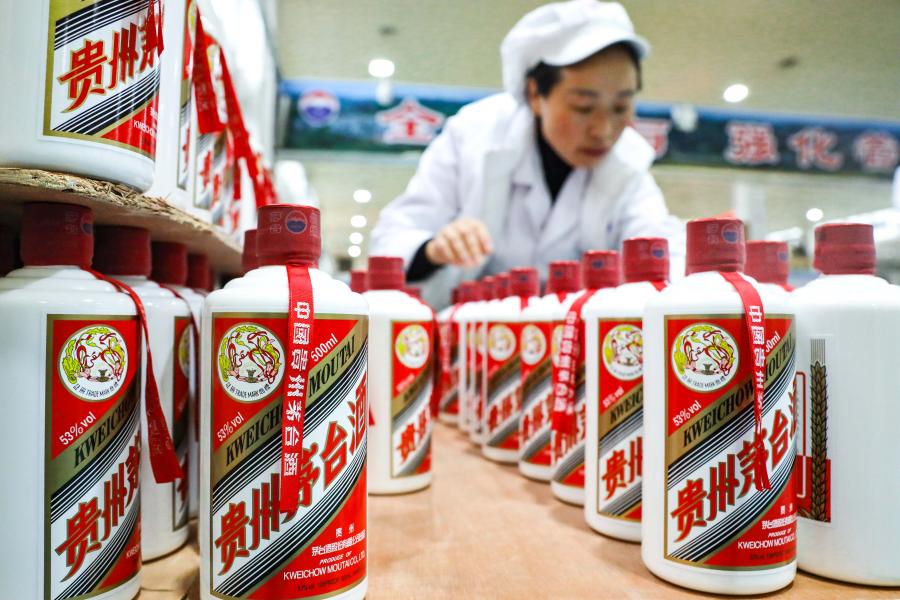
[534,344]
[501,342]
[93,363]
[412,346]
[184,351]
[250,362]
[555,342]
[704,357]
[623,352]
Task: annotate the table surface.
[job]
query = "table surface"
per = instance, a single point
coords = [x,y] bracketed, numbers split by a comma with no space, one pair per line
[483,531]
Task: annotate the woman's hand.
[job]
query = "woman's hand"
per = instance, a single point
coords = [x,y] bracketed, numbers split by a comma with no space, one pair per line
[462,243]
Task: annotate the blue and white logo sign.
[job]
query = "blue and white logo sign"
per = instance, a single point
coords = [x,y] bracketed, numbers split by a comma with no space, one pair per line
[319,108]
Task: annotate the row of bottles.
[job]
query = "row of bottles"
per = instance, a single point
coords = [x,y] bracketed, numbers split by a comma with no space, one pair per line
[750,391]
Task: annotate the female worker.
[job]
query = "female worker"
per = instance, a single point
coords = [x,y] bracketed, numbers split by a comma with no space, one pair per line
[542,172]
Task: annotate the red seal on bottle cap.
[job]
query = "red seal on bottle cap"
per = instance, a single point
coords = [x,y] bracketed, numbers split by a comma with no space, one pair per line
[845,249]
[288,233]
[249,256]
[524,282]
[120,250]
[645,259]
[564,276]
[601,269]
[386,273]
[715,244]
[768,262]
[501,285]
[170,266]
[359,280]
[57,234]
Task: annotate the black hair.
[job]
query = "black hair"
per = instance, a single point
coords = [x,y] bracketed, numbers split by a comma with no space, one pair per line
[547,76]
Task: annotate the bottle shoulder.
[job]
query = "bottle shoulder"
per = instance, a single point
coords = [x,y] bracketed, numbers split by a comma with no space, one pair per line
[395,305]
[627,300]
[851,291]
[710,293]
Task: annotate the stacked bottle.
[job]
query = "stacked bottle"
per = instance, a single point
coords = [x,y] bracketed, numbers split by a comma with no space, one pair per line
[718,511]
[76,440]
[470,294]
[539,319]
[601,271]
[124,254]
[478,359]
[448,403]
[503,366]
[614,391]
[400,381]
[283,423]
[847,474]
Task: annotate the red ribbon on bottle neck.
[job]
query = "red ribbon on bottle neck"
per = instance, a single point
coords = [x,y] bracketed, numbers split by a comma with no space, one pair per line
[570,355]
[208,120]
[300,337]
[195,336]
[755,321]
[163,460]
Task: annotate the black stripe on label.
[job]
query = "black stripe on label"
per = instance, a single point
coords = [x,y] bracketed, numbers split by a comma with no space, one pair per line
[621,432]
[114,108]
[568,465]
[96,16]
[624,503]
[536,443]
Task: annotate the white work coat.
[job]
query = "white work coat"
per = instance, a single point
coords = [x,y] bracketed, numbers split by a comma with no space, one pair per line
[485,164]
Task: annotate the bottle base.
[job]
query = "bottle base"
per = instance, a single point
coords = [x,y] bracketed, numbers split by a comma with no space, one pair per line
[619,529]
[500,455]
[858,578]
[567,493]
[732,583]
[536,472]
[404,485]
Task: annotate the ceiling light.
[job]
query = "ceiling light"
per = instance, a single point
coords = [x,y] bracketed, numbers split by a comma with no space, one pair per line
[381,68]
[814,215]
[358,221]
[356,238]
[354,251]
[736,92]
[362,196]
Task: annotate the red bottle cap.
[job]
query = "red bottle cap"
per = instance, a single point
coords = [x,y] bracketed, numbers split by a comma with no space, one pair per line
[564,276]
[601,269]
[524,281]
[122,250]
[200,274]
[488,287]
[768,262]
[715,244]
[469,292]
[414,291]
[845,249]
[454,296]
[386,273]
[646,259]
[8,250]
[288,233]
[501,285]
[57,234]
[249,257]
[359,280]
[170,265]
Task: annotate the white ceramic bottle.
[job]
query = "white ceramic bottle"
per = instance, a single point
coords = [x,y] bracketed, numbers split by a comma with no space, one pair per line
[503,366]
[470,294]
[251,405]
[85,103]
[124,254]
[614,362]
[448,404]
[400,382]
[538,321]
[478,361]
[769,263]
[72,394]
[601,271]
[847,475]
[709,521]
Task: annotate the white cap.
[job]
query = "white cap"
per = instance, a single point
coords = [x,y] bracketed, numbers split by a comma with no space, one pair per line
[562,34]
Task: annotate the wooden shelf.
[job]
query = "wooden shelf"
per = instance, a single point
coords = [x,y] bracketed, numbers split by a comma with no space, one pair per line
[483,531]
[115,204]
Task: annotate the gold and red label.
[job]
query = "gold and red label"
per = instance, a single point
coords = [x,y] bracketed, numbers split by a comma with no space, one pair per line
[186,97]
[476,341]
[537,393]
[181,420]
[256,550]
[502,403]
[812,473]
[102,77]
[93,441]
[449,346]
[715,517]
[411,385]
[568,448]
[620,418]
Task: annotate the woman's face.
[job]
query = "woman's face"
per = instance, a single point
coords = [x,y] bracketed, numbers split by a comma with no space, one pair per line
[585,113]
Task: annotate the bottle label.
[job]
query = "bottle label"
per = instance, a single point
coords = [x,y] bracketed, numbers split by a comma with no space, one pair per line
[449,403]
[255,549]
[186,98]
[537,393]
[503,386]
[568,449]
[715,517]
[812,473]
[92,473]
[181,419]
[411,385]
[476,370]
[620,418]
[102,78]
